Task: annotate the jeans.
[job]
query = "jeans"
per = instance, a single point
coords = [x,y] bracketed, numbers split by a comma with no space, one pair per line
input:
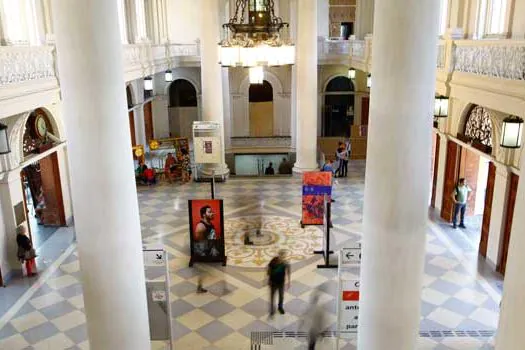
[459,207]
[345,168]
[273,289]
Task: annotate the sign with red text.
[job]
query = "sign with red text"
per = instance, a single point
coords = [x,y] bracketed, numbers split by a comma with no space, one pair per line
[349,308]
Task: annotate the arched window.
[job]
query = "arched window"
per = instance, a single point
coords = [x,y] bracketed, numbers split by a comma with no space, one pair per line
[182,94]
[260,97]
[261,92]
[478,126]
[493,18]
[36,133]
[340,84]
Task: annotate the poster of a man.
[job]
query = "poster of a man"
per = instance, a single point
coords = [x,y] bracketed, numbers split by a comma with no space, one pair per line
[206,230]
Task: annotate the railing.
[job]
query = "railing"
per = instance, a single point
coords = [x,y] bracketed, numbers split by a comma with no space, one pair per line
[358,49]
[330,47]
[261,142]
[23,64]
[503,59]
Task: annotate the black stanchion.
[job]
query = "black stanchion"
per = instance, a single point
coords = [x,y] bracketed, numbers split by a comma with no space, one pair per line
[326,252]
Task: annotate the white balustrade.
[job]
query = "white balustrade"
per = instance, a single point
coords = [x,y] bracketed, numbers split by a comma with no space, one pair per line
[23,64]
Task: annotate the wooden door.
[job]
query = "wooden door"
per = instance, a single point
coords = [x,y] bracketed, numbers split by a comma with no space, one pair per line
[435,171]
[132,128]
[451,173]
[365,110]
[148,121]
[487,211]
[509,215]
[53,213]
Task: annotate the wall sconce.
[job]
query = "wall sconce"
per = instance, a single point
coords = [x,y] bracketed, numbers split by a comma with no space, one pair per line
[168,76]
[369,81]
[148,84]
[351,73]
[4,140]
[512,132]
[441,107]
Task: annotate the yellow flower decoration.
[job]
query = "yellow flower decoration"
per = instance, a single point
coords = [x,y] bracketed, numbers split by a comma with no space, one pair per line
[154,144]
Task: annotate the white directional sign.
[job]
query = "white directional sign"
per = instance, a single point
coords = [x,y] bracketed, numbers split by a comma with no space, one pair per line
[154,258]
[349,308]
[350,256]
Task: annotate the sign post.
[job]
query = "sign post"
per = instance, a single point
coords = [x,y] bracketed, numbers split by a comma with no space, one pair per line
[348,293]
[326,252]
[158,294]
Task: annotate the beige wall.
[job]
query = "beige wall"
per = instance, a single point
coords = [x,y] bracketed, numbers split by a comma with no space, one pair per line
[261,119]
[181,120]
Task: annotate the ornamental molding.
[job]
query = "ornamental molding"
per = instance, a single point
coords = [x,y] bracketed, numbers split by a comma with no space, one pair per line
[266,142]
[498,61]
[23,64]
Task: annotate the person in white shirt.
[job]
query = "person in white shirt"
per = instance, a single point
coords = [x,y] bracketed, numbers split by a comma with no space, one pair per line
[460,197]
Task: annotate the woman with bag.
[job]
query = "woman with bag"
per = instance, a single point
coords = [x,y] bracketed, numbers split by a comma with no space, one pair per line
[26,252]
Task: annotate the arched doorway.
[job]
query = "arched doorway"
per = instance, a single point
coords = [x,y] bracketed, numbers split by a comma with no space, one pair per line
[338,113]
[41,183]
[260,97]
[183,108]
[131,115]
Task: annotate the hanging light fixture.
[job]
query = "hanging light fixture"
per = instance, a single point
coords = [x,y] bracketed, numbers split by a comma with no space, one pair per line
[256,75]
[441,107]
[168,76]
[4,140]
[369,81]
[256,40]
[351,73]
[512,132]
[148,84]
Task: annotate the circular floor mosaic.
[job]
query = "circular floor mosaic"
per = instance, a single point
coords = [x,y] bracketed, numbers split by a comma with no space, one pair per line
[276,233]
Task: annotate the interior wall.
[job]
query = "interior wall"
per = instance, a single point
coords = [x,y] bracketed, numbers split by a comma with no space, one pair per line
[161,126]
[184,20]
[181,120]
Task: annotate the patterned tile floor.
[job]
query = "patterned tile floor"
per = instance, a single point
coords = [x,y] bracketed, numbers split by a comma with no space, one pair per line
[458,293]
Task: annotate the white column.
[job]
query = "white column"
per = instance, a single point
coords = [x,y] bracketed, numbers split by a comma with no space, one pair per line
[364,18]
[306,85]
[293,112]
[105,202]
[323,18]
[397,180]
[122,21]
[48,23]
[14,23]
[211,76]
[512,314]
[140,14]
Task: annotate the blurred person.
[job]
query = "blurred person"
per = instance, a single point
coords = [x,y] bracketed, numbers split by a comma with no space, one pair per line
[26,253]
[314,319]
[170,167]
[185,164]
[270,170]
[285,167]
[278,272]
[460,197]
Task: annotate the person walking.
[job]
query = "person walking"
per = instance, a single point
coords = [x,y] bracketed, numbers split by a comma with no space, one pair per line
[460,197]
[278,273]
[26,253]
[314,319]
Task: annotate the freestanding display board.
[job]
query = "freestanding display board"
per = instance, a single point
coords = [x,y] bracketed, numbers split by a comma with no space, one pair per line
[316,184]
[206,231]
[158,294]
[348,292]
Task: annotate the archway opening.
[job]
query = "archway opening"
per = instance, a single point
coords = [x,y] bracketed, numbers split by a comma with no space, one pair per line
[183,108]
[338,113]
[41,184]
[260,97]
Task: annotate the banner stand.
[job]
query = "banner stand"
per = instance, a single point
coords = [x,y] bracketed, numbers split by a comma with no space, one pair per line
[326,252]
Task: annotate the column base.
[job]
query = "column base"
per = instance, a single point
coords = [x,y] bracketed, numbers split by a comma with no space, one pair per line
[299,169]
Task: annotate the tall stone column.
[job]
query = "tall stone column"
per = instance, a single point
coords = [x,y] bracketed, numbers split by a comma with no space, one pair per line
[397,180]
[105,202]
[306,86]
[364,18]
[512,314]
[323,18]
[211,77]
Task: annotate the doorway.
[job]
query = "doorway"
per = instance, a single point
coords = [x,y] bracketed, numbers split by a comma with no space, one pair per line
[260,97]
[183,108]
[338,114]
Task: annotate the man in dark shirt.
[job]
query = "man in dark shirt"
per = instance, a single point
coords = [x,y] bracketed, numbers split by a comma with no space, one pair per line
[270,170]
[278,272]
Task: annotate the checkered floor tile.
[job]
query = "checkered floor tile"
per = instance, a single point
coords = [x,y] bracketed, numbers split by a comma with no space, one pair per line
[236,306]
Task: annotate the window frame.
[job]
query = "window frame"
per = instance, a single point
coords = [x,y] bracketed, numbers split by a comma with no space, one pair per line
[485,18]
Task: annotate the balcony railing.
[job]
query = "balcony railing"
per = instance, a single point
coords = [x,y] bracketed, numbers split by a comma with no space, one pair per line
[261,142]
[24,64]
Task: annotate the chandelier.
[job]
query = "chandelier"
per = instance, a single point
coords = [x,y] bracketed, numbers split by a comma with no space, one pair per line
[253,38]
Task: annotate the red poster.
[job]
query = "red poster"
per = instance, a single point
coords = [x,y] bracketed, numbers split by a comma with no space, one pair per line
[206,230]
[316,185]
